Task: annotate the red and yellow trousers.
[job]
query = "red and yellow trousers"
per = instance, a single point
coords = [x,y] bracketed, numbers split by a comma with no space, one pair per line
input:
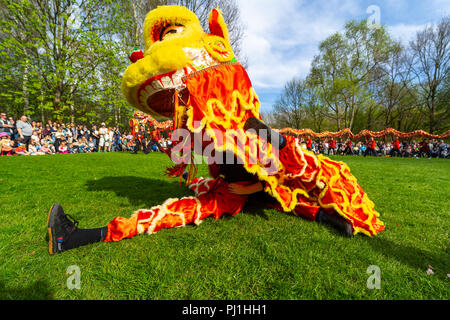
[212,199]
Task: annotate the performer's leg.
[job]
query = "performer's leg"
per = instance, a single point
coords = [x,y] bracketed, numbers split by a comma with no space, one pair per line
[64,233]
[335,220]
[316,213]
[215,202]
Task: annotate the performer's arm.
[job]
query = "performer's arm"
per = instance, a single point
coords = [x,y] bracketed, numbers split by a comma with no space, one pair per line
[272,136]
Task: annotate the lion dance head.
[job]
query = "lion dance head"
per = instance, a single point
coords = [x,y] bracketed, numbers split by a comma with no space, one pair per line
[176,48]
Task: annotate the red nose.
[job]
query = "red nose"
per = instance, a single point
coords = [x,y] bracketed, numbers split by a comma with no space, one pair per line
[136,55]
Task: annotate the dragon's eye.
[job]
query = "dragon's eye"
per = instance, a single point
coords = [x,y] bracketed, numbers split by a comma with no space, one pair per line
[170,29]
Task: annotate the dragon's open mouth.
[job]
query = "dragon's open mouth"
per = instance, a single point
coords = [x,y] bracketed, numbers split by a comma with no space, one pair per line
[158,92]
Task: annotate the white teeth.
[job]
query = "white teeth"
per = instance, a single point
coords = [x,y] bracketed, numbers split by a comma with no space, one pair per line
[143,96]
[149,89]
[166,82]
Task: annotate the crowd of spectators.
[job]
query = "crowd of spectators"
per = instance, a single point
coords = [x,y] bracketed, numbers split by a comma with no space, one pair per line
[426,148]
[23,137]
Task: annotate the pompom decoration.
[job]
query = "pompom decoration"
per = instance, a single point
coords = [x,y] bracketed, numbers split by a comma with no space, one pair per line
[135,55]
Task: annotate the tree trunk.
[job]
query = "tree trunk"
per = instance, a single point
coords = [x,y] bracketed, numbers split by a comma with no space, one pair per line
[26,101]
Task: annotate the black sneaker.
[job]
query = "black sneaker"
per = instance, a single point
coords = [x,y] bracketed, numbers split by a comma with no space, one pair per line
[59,228]
[335,220]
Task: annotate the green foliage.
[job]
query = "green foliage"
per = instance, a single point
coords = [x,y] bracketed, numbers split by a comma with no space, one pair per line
[362,79]
[55,57]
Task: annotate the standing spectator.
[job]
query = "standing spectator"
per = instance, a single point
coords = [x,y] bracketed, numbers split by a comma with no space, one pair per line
[13,129]
[25,130]
[370,150]
[442,149]
[52,126]
[309,143]
[59,136]
[111,139]
[141,140]
[348,147]
[332,146]
[104,138]
[5,125]
[95,135]
[395,151]
[74,131]
[325,147]
[116,138]
[85,133]
[425,149]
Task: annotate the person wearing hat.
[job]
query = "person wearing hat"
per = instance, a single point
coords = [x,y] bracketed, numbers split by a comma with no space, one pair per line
[5,144]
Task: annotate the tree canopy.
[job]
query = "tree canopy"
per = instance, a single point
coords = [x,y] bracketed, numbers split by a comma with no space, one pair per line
[363,79]
[64,59]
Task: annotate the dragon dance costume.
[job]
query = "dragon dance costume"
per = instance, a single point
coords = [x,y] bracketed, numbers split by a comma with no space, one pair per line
[188,74]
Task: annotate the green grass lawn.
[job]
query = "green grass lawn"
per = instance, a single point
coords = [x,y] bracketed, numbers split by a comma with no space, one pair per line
[257,254]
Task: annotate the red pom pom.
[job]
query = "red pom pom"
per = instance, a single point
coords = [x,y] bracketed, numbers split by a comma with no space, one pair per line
[135,55]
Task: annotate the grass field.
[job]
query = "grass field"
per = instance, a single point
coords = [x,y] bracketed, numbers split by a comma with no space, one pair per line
[258,254]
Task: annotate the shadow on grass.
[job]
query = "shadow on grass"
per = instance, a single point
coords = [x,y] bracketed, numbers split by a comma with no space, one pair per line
[414,257]
[39,290]
[153,192]
[138,190]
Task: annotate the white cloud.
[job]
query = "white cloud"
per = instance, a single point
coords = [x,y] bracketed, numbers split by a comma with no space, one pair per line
[282,36]
[404,32]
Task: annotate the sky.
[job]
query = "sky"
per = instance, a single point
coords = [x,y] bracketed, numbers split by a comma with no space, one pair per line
[283,36]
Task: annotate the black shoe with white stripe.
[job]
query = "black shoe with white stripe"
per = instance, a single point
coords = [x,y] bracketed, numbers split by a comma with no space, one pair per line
[59,228]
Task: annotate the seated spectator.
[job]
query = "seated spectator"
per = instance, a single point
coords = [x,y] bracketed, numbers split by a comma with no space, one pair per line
[81,145]
[362,148]
[63,147]
[35,138]
[130,145]
[21,149]
[90,145]
[73,147]
[5,144]
[435,151]
[46,131]
[33,150]
[442,149]
[46,149]
[163,143]
[408,152]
